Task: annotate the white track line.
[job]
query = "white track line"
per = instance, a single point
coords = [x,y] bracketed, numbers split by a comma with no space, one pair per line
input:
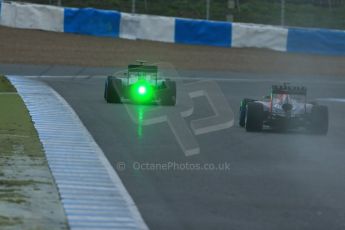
[341,100]
[226,78]
[79,144]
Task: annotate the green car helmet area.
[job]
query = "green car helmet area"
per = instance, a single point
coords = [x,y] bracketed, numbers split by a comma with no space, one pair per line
[140,85]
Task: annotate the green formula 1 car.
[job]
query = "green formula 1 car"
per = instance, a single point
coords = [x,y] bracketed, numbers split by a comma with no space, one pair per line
[140,84]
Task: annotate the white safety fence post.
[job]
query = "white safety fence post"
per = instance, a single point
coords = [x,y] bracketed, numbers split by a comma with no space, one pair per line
[133,6]
[282,12]
[0,10]
[208,2]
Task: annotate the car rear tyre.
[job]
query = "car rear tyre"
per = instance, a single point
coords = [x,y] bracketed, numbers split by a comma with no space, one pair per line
[319,119]
[111,91]
[243,108]
[167,95]
[254,117]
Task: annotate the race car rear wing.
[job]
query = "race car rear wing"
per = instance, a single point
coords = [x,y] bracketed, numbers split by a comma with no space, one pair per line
[286,89]
[143,68]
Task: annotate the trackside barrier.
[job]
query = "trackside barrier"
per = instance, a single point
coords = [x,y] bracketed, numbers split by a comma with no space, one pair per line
[104,23]
[32,16]
[201,32]
[147,27]
[114,24]
[259,36]
[317,41]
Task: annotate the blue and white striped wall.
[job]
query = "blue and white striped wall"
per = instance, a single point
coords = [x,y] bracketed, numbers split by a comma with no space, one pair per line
[174,30]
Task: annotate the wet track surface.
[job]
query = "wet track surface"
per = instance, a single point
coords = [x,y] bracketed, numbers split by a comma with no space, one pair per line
[291,180]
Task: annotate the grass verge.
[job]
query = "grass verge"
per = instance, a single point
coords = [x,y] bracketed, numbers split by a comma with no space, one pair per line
[26,184]
[17,133]
[5,85]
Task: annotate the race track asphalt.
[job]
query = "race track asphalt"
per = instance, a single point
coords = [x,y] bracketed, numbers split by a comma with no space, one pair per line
[279,181]
[292,180]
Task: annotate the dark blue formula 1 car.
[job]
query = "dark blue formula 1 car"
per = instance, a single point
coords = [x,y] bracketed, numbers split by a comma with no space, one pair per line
[285,108]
